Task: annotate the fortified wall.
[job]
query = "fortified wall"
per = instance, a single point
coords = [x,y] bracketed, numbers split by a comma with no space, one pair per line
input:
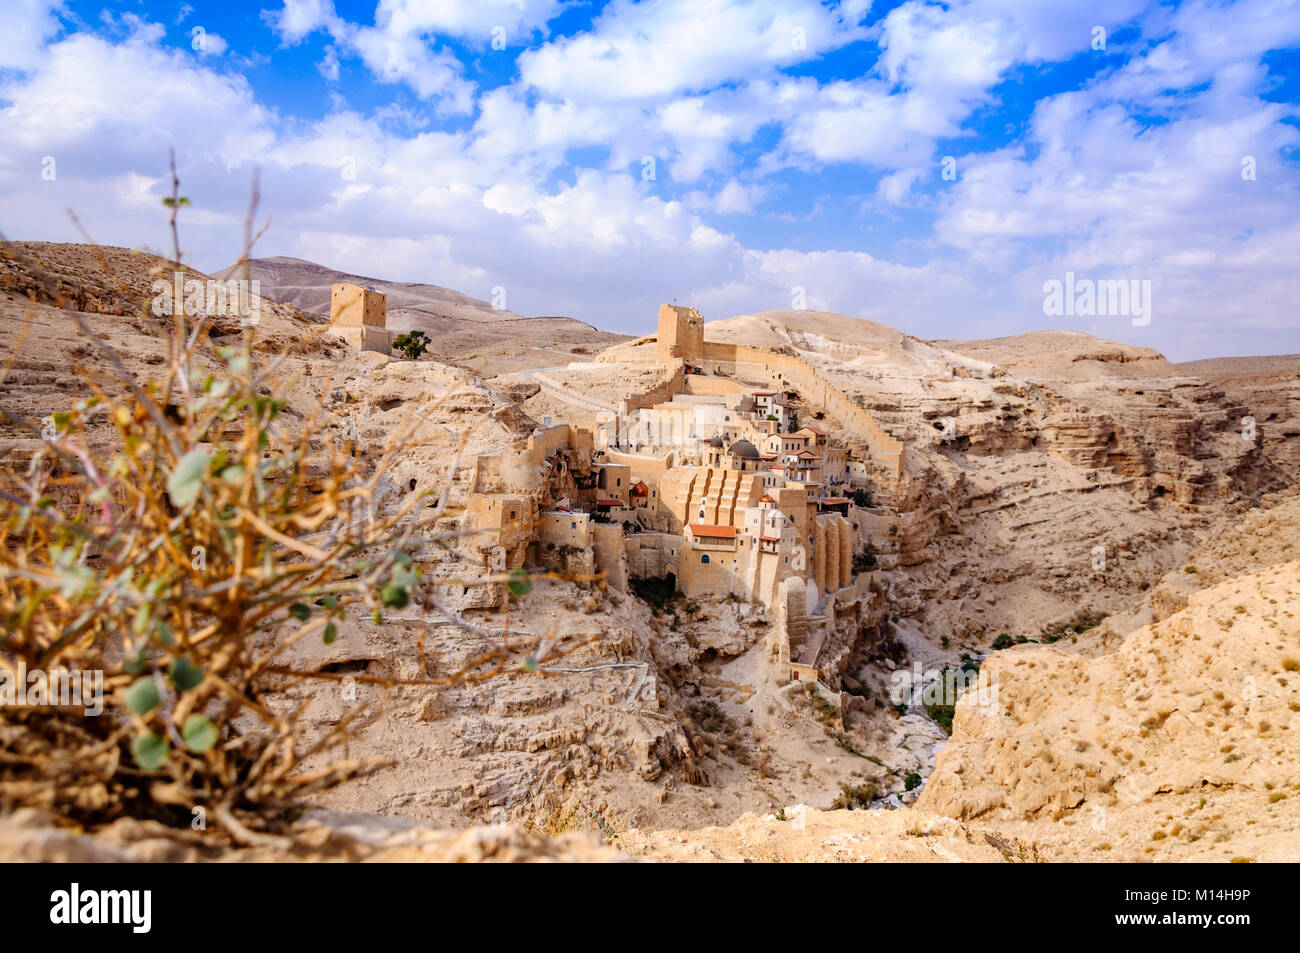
[752,361]
[515,514]
[680,340]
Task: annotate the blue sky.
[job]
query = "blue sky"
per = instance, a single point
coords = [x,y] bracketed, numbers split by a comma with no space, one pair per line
[594,159]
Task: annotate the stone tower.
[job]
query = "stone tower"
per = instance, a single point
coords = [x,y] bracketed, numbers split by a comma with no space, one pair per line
[359,315]
[681,334]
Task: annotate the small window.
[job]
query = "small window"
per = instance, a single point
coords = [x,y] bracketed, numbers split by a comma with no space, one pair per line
[573,525]
[704,558]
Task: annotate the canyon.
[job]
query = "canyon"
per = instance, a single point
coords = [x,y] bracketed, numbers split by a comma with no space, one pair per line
[1108,538]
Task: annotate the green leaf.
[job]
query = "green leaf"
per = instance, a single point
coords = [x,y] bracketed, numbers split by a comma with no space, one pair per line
[150,751]
[300,611]
[394,596]
[142,696]
[330,634]
[403,576]
[136,665]
[187,479]
[199,733]
[519,583]
[185,674]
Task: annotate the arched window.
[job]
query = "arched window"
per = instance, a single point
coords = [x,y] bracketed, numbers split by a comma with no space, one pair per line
[704,558]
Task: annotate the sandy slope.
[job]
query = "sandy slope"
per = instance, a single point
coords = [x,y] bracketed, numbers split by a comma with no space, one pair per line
[466,331]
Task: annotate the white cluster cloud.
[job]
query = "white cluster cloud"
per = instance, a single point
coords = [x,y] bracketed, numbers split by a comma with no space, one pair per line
[1094,190]
[401,47]
[28,24]
[647,51]
[1135,174]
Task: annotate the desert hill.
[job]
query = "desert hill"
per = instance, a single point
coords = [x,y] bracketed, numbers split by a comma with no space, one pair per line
[1026,457]
[1066,355]
[110,290]
[45,288]
[465,330]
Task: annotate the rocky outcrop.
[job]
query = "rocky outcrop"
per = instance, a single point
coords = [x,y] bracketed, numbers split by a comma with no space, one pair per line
[1203,702]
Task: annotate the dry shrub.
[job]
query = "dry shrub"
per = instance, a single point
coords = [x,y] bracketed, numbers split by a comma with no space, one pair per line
[177,534]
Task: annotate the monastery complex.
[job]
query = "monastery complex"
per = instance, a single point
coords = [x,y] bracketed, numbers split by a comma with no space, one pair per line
[712,481]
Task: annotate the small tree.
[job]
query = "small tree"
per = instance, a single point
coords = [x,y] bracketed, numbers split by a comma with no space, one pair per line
[412,344]
[862,498]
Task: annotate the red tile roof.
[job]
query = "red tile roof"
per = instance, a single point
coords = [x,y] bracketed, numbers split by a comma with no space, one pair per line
[716,532]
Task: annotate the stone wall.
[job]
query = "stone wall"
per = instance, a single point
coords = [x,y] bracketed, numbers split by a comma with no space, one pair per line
[359,316]
[651,555]
[722,495]
[496,528]
[660,393]
[696,384]
[611,555]
[548,441]
[801,375]
[681,334]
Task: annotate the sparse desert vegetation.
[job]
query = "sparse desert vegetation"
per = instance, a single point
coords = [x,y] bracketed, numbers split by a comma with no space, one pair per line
[619,432]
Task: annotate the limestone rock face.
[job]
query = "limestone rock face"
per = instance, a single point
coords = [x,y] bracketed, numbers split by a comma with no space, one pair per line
[1046,472]
[1259,537]
[1202,703]
[1268,388]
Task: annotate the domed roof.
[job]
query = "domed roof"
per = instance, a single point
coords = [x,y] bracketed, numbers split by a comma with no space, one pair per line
[767,498]
[715,441]
[743,448]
